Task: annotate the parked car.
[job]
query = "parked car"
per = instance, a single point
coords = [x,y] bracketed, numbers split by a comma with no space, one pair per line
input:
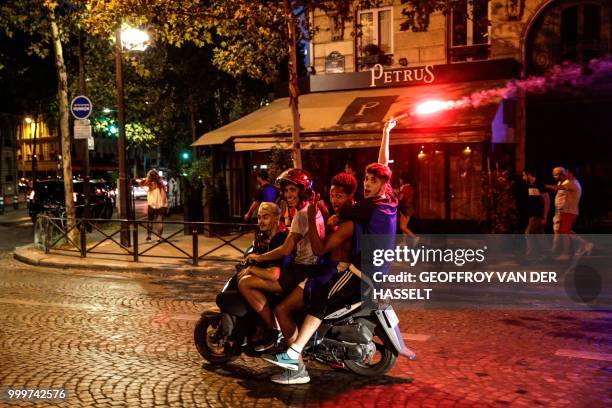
[139,192]
[48,197]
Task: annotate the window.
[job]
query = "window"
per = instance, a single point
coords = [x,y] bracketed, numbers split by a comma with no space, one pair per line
[431,202]
[570,30]
[465,182]
[580,32]
[375,44]
[469,31]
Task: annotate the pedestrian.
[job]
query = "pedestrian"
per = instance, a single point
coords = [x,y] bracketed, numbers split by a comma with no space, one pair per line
[173,199]
[406,208]
[538,205]
[567,201]
[266,193]
[157,203]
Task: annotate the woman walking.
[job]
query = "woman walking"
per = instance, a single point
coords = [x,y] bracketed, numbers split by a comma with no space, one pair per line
[157,202]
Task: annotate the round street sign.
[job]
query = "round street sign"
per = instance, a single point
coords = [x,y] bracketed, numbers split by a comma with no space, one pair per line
[81,107]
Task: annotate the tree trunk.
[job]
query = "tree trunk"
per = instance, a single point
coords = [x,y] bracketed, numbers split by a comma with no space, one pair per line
[296,153]
[63,119]
[34,158]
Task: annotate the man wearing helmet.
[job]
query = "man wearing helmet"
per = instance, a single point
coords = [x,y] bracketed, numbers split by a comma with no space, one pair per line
[296,186]
[338,287]
[375,214]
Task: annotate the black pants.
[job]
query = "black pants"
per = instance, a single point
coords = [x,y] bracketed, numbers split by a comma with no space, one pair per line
[342,290]
[155,215]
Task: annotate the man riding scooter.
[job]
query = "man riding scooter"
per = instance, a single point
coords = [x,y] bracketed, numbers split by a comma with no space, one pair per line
[315,297]
[296,186]
[376,214]
[271,235]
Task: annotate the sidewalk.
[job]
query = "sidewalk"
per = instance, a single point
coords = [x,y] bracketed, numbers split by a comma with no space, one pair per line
[14,217]
[175,255]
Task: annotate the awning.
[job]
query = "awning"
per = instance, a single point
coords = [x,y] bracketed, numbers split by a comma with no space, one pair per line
[349,119]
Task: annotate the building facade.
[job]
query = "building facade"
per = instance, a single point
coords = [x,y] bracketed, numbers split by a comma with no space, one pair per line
[368,69]
[38,148]
[8,155]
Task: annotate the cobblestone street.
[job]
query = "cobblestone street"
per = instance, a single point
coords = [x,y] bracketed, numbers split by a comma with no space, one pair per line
[114,339]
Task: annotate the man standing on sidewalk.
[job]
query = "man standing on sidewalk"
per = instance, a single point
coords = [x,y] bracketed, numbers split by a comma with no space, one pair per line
[538,204]
[567,201]
[266,193]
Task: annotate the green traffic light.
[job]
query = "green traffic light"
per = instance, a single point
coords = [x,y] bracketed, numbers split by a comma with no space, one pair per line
[185,155]
[113,129]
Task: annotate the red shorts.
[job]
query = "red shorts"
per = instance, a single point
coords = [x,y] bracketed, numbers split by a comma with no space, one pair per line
[566,222]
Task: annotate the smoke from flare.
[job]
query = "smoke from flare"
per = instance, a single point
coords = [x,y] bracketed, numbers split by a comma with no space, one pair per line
[565,75]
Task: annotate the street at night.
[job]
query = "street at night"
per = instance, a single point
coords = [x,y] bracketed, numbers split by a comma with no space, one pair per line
[117,339]
[297,203]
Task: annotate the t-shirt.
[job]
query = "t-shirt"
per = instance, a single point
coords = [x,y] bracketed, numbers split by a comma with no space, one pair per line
[262,246]
[567,200]
[299,225]
[266,194]
[156,198]
[535,199]
[376,216]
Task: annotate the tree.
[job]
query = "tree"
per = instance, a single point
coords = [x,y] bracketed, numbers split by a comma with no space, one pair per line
[251,37]
[43,21]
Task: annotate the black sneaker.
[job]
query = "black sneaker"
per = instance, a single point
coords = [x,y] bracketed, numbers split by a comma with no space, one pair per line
[270,340]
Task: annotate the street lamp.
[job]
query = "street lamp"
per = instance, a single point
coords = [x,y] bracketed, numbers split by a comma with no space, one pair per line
[131,39]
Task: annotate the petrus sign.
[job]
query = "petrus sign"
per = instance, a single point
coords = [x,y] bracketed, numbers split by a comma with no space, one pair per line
[81,107]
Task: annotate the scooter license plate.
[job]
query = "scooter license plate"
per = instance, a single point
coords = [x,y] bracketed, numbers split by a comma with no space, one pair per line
[391,317]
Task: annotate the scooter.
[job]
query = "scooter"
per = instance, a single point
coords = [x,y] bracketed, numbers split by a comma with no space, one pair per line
[360,337]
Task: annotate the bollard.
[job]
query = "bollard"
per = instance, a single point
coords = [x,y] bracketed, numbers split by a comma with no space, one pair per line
[45,222]
[83,239]
[135,239]
[2,204]
[16,202]
[194,238]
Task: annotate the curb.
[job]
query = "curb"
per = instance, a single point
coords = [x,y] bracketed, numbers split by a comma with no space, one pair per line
[18,221]
[28,254]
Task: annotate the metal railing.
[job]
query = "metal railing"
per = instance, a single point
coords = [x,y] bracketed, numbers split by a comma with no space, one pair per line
[88,235]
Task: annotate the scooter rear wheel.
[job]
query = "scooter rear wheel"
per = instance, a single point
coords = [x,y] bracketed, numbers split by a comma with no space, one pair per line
[214,349]
[382,361]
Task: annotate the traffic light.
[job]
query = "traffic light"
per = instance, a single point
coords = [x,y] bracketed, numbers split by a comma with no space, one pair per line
[113,129]
[185,155]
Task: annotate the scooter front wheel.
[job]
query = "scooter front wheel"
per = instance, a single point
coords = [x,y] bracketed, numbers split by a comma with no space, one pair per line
[210,344]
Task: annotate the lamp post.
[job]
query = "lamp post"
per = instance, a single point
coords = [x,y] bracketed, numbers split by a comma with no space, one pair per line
[131,39]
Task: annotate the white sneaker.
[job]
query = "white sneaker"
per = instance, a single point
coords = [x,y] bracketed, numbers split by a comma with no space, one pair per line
[586,249]
[289,377]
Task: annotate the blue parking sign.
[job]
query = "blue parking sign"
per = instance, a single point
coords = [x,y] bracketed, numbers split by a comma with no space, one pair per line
[81,107]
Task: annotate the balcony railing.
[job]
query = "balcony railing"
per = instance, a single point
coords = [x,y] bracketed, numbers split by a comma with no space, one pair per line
[470,52]
[368,61]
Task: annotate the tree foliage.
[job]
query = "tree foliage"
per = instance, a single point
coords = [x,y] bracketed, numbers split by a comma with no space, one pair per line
[499,213]
[417,13]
